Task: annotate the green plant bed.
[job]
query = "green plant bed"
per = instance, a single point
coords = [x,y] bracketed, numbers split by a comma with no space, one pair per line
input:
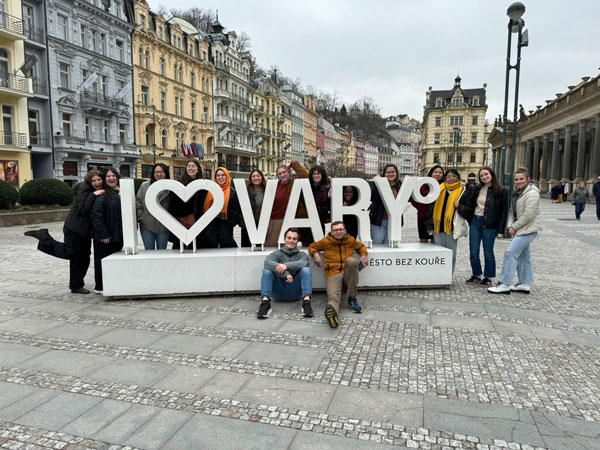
[9,196]
[46,191]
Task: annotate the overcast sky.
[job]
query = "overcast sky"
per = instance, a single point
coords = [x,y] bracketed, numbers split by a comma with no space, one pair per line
[393,50]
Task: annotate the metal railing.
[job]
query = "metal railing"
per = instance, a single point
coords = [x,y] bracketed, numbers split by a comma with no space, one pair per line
[11,23]
[96,99]
[40,139]
[40,87]
[16,82]
[35,34]
[13,139]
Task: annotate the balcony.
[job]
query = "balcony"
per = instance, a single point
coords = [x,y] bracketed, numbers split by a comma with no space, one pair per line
[96,101]
[221,93]
[8,139]
[35,34]
[222,118]
[240,99]
[15,85]
[39,140]
[40,87]
[259,109]
[11,27]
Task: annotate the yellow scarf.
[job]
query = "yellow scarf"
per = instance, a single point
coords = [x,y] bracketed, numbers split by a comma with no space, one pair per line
[454,190]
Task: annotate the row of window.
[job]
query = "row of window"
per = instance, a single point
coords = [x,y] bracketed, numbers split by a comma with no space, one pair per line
[456,121]
[144,61]
[95,129]
[100,85]
[179,109]
[437,138]
[456,102]
[459,157]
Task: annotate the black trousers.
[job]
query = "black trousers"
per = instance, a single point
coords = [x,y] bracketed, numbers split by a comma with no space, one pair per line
[101,251]
[76,249]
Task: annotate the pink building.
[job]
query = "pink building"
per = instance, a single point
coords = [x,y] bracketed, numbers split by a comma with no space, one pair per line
[359,147]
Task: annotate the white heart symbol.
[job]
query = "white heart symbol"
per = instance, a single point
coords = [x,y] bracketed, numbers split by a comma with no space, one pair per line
[185,193]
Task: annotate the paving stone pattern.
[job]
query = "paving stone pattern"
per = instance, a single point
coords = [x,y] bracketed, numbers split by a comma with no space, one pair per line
[431,368]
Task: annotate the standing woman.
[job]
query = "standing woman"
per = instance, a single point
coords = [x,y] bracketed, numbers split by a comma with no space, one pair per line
[187,213]
[320,185]
[378,214]
[256,192]
[219,233]
[437,173]
[154,234]
[107,224]
[523,224]
[282,197]
[580,197]
[441,220]
[487,204]
[78,233]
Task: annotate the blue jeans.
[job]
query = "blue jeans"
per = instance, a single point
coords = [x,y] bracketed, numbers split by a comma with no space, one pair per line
[579,207]
[379,235]
[518,258]
[276,288]
[151,239]
[477,233]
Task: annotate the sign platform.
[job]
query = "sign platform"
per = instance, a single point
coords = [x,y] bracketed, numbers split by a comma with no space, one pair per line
[164,273]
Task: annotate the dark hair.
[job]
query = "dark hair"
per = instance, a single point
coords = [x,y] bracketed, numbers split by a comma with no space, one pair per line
[454,171]
[338,222]
[354,198]
[185,178]
[437,166]
[165,169]
[107,189]
[324,184]
[263,182]
[496,188]
[292,230]
[397,182]
[522,170]
[91,174]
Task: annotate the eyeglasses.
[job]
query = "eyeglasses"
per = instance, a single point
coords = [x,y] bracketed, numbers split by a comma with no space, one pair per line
[158,172]
[337,230]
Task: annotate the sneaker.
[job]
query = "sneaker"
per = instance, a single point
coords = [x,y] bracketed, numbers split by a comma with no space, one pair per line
[500,288]
[38,234]
[521,288]
[97,291]
[81,290]
[264,310]
[486,282]
[307,309]
[331,316]
[474,279]
[353,305]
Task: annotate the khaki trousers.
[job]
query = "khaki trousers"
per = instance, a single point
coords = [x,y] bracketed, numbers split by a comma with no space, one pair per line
[344,282]
[273,231]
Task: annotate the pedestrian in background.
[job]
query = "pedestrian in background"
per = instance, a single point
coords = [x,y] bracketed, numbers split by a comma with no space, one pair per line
[523,225]
[580,197]
[155,235]
[554,193]
[596,192]
[565,192]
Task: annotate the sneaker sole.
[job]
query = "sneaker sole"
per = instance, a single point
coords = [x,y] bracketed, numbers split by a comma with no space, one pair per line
[503,292]
[331,317]
[265,316]
[353,310]
[304,314]
[521,292]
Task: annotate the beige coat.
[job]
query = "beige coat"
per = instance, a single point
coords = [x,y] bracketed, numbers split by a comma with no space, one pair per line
[528,210]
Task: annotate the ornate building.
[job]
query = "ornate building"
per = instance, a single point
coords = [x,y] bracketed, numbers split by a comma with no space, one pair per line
[454,129]
[359,150]
[90,75]
[310,129]
[332,149]
[297,122]
[559,141]
[173,93]
[234,110]
[371,160]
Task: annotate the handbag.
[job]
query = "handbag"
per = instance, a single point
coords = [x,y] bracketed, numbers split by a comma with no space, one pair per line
[460,225]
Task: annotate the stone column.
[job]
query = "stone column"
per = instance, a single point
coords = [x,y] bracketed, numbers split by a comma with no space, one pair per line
[580,162]
[566,172]
[497,163]
[507,158]
[535,173]
[545,163]
[528,162]
[554,175]
[595,159]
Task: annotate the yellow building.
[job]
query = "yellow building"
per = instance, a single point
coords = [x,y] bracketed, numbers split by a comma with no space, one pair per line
[348,151]
[15,89]
[454,130]
[173,103]
[310,130]
[273,125]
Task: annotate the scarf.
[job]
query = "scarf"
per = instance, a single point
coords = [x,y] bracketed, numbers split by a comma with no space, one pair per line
[454,191]
[226,190]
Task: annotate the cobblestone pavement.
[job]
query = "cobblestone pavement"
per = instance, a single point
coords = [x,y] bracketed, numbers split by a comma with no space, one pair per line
[441,369]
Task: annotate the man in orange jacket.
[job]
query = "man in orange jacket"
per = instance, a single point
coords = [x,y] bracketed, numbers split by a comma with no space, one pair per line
[341,268]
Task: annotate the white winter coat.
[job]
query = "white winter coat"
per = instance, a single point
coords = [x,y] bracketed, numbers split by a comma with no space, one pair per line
[528,210]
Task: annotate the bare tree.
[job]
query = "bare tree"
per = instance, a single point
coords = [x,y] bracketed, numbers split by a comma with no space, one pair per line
[256,71]
[201,18]
[242,44]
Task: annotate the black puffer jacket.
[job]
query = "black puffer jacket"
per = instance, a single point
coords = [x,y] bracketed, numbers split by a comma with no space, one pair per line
[377,207]
[496,207]
[219,233]
[106,217]
[79,220]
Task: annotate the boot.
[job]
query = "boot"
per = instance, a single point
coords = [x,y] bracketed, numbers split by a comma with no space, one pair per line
[38,234]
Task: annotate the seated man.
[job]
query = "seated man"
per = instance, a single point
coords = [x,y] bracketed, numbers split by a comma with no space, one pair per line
[286,277]
[341,269]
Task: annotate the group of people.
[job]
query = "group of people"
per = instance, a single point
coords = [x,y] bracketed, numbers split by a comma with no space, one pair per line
[560,192]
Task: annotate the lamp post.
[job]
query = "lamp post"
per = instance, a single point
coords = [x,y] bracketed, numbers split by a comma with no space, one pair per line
[515,25]
[154,134]
[457,135]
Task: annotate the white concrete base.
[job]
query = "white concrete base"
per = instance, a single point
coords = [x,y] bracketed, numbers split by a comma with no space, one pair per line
[222,271]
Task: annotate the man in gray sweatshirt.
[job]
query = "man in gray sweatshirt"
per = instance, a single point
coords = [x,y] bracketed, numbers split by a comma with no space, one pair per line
[286,277]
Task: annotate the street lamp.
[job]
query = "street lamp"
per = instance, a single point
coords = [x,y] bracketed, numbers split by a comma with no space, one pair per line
[515,25]
[457,135]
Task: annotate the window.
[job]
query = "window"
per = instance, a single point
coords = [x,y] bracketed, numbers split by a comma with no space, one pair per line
[120,50]
[62,27]
[176,106]
[457,102]
[103,44]
[160,32]
[104,83]
[141,56]
[475,101]
[66,124]
[147,59]
[178,173]
[28,19]
[145,96]
[163,138]
[122,133]
[193,111]
[162,66]
[106,130]
[193,80]
[456,121]
[181,106]
[147,170]
[439,102]
[64,71]
[34,131]
[70,168]
[459,157]
[205,115]
[87,127]
[82,35]
[474,122]
[473,138]
[143,21]
[473,157]
[94,42]
[436,138]
[163,101]
[438,121]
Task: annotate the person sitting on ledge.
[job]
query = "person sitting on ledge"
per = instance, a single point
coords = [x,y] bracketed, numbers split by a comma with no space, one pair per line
[341,269]
[286,277]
